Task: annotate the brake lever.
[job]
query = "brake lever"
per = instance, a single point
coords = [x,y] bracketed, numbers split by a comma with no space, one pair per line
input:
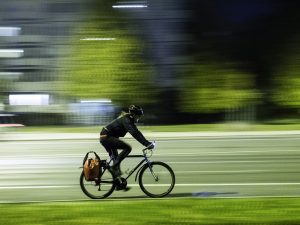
[147,148]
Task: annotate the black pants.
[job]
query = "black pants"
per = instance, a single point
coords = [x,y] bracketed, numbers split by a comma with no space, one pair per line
[112,145]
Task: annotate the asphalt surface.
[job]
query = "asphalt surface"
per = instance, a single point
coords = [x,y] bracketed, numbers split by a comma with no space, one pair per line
[205,167]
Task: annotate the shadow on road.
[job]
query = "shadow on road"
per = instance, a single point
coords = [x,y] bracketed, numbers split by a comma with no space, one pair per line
[180,195]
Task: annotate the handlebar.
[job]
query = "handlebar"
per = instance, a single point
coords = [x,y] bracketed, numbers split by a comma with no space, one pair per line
[148,148]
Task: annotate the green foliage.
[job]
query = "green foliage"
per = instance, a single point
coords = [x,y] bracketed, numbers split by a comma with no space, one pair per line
[286,85]
[4,86]
[112,69]
[215,88]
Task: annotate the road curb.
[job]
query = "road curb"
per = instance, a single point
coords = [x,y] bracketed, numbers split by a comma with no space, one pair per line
[149,135]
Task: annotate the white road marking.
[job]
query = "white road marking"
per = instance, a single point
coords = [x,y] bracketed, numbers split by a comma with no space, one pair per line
[240,152]
[225,171]
[47,171]
[190,139]
[155,185]
[199,153]
[220,184]
[225,161]
[240,184]
[33,187]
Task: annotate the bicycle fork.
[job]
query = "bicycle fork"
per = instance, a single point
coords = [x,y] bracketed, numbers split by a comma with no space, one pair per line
[151,170]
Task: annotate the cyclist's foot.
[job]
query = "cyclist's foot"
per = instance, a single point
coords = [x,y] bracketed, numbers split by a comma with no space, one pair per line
[121,188]
[121,184]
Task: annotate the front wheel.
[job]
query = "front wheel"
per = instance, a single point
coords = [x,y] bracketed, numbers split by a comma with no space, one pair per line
[100,189]
[156,179]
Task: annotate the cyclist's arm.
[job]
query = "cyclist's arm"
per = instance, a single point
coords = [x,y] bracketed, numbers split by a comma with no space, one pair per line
[133,130]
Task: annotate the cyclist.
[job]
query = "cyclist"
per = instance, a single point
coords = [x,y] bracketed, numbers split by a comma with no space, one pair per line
[109,136]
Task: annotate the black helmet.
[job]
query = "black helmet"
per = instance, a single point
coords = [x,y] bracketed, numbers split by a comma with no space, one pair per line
[136,110]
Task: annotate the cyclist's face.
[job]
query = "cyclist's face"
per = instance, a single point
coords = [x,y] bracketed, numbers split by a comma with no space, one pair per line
[137,118]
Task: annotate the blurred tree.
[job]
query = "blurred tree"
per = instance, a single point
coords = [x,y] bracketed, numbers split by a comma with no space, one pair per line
[211,88]
[106,61]
[286,84]
[4,87]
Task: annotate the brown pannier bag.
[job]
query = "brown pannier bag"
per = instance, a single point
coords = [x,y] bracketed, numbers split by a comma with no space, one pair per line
[91,167]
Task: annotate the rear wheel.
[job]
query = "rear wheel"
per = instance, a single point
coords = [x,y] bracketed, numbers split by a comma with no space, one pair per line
[157,179]
[100,189]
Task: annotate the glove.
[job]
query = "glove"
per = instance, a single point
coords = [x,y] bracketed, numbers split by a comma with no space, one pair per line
[151,145]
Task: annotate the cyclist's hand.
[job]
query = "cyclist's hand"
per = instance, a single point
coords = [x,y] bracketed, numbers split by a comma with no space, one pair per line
[151,145]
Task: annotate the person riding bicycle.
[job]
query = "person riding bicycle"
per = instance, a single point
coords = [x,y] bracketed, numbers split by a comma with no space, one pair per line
[110,134]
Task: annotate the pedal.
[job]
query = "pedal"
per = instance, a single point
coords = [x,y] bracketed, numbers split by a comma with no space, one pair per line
[122,184]
[119,188]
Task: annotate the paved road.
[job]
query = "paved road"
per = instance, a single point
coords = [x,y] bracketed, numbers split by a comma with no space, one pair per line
[232,166]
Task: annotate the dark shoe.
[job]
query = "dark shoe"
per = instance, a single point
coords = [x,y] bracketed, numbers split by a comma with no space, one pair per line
[121,184]
[119,188]
[122,188]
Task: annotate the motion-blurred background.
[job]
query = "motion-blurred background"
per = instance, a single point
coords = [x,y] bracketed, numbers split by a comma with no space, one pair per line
[79,62]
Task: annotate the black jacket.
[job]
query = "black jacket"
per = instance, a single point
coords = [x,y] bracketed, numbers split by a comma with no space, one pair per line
[123,124]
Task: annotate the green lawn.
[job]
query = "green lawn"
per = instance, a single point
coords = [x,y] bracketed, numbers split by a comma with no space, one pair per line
[177,211]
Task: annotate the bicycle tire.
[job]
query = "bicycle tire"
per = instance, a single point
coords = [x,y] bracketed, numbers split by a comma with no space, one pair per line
[152,187]
[93,190]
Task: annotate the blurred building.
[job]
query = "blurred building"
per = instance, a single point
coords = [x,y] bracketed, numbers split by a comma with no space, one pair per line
[36,36]
[33,37]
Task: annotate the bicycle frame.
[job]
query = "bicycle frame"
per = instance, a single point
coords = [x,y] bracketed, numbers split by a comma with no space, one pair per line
[143,169]
[138,166]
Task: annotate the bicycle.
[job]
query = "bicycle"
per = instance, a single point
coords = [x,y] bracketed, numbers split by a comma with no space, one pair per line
[156,179]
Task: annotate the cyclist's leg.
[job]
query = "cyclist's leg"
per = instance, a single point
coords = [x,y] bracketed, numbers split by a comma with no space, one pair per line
[108,145]
[111,145]
[126,149]
[112,152]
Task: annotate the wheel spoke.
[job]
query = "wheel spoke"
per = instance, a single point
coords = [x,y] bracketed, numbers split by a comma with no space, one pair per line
[157,180]
[100,189]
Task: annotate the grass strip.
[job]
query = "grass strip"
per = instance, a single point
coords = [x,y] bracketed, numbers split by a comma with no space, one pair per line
[166,211]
